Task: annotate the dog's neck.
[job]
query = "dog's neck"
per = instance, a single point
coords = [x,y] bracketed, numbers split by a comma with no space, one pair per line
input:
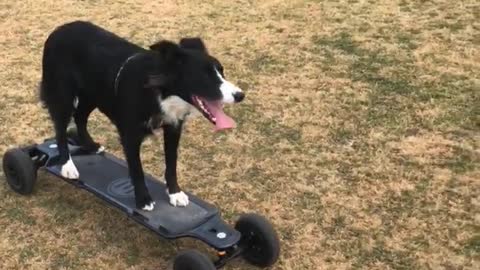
[171,110]
[156,81]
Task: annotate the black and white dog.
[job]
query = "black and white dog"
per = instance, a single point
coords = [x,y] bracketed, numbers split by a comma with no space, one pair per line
[141,91]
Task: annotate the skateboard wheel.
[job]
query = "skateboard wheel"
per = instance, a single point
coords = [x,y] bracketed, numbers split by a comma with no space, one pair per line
[193,260]
[20,171]
[260,243]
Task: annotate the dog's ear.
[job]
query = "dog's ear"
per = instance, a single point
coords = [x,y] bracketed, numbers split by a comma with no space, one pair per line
[168,50]
[193,44]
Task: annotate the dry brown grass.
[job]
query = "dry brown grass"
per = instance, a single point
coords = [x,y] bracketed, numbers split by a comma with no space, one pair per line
[359,137]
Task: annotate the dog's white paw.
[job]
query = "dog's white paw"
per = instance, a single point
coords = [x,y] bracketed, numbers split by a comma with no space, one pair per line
[178,199]
[149,207]
[69,170]
[100,149]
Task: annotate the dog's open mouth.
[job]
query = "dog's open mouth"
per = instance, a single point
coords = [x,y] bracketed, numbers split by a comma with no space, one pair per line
[213,111]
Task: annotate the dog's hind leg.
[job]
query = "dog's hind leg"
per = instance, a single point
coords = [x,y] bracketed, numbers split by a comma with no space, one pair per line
[80,116]
[61,115]
[59,98]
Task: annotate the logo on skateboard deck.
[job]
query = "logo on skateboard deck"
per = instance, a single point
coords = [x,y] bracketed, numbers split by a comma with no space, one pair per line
[122,188]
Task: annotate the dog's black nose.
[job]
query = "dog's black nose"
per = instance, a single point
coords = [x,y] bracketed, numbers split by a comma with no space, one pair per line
[238,96]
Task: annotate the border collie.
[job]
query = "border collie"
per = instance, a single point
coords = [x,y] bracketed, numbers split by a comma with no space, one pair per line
[141,91]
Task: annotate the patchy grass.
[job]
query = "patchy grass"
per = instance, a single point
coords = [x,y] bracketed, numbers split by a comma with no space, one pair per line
[359,137]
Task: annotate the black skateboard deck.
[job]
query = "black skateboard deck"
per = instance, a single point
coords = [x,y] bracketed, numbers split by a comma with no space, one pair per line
[106,176]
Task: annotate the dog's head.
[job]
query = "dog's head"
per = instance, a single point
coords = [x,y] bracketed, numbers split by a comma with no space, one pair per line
[195,78]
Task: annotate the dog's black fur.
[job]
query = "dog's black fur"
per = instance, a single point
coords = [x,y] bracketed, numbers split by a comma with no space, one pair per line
[81,71]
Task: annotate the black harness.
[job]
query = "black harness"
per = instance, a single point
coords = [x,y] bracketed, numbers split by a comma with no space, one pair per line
[154,82]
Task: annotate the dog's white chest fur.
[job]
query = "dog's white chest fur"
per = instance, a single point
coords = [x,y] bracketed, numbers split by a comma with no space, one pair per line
[176,109]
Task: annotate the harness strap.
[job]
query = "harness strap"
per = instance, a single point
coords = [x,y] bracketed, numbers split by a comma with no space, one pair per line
[155,82]
[117,78]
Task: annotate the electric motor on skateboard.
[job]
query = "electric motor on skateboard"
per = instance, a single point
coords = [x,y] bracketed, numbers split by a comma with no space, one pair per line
[106,176]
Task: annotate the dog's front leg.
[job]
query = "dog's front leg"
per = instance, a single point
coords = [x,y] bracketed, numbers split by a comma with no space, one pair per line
[131,145]
[171,138]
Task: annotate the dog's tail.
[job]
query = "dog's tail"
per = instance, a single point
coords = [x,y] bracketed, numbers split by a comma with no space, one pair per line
[46,79]
[41,95]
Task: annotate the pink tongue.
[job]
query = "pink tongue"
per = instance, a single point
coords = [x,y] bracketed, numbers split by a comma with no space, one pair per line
[223,121]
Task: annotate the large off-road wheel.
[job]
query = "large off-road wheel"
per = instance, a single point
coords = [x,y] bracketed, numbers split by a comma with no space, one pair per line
[20,171]
[260,243]
[193,260]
